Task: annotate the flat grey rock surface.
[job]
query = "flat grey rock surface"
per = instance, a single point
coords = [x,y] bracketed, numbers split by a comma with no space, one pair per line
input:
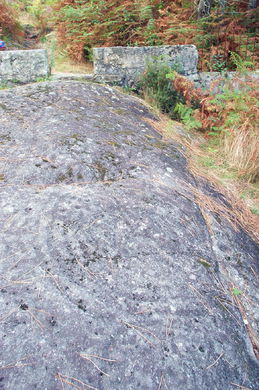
[110,276]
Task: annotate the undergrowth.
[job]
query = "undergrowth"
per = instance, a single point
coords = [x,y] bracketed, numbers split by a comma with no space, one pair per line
[9,25]
[37,13]
[228,117]
[231,116]
[84,24]
[157,89]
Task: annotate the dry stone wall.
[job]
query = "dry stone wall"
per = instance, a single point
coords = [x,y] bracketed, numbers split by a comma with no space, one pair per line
[115,66]
[127,63]
[23,66]
[124,65]
[215,81]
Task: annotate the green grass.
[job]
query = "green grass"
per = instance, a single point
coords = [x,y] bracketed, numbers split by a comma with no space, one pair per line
[61,62]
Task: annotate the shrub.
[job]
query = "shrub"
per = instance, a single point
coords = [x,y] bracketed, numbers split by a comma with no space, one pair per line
[158,89]
[39,12]
[186,114]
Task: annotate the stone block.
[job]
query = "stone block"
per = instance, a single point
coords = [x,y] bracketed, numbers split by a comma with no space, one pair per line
[130,62]
[23,66]
[215,81]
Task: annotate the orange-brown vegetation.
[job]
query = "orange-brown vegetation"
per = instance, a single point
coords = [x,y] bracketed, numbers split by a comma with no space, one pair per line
[8,21]
[232,115]
[84,24]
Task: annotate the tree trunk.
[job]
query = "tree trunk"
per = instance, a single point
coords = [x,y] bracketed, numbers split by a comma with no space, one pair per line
[222,4]
[203,8]
[252,4]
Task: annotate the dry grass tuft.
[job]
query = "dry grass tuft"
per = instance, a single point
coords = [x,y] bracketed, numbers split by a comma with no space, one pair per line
[241,146]
[253,337]
[234,209]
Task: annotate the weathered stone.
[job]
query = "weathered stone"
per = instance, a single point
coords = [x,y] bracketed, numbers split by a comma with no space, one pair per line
[102,79]
[23,66]
[130,62]
[105,251]
[215,81]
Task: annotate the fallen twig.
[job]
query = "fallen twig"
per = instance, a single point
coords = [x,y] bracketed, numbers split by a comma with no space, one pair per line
[86,357]
[241,387]
[136,328]
[91,274]
[216,361]
[201,300]
[102,358]
[17,364]
[67,379]
[162,381]
[40,325]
